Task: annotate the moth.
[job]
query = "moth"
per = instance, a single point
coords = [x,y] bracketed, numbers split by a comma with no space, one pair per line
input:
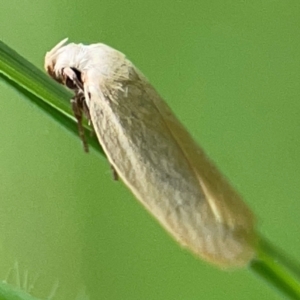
[153,154]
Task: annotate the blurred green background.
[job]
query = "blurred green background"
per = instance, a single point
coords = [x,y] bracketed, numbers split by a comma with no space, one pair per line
[228,69]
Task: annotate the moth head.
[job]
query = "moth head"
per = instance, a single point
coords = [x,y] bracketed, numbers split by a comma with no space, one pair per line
[51,60]
[60,64]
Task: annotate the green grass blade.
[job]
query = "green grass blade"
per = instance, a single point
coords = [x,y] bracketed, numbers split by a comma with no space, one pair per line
[8,292]
[276,269]
[53,99]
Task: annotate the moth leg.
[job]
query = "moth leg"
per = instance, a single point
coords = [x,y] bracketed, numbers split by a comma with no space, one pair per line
[77,110]
[86,111]
[114,173]
[73,75]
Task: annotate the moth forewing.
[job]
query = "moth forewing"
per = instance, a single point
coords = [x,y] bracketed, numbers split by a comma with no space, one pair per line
[155,156]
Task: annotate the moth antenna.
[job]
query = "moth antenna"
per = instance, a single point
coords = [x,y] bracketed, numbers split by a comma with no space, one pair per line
[56,47]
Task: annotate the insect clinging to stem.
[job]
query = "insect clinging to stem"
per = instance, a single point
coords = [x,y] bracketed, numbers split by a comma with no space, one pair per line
[153,154]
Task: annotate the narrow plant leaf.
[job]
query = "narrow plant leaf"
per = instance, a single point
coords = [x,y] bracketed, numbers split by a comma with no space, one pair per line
[54,100]
[8,292]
